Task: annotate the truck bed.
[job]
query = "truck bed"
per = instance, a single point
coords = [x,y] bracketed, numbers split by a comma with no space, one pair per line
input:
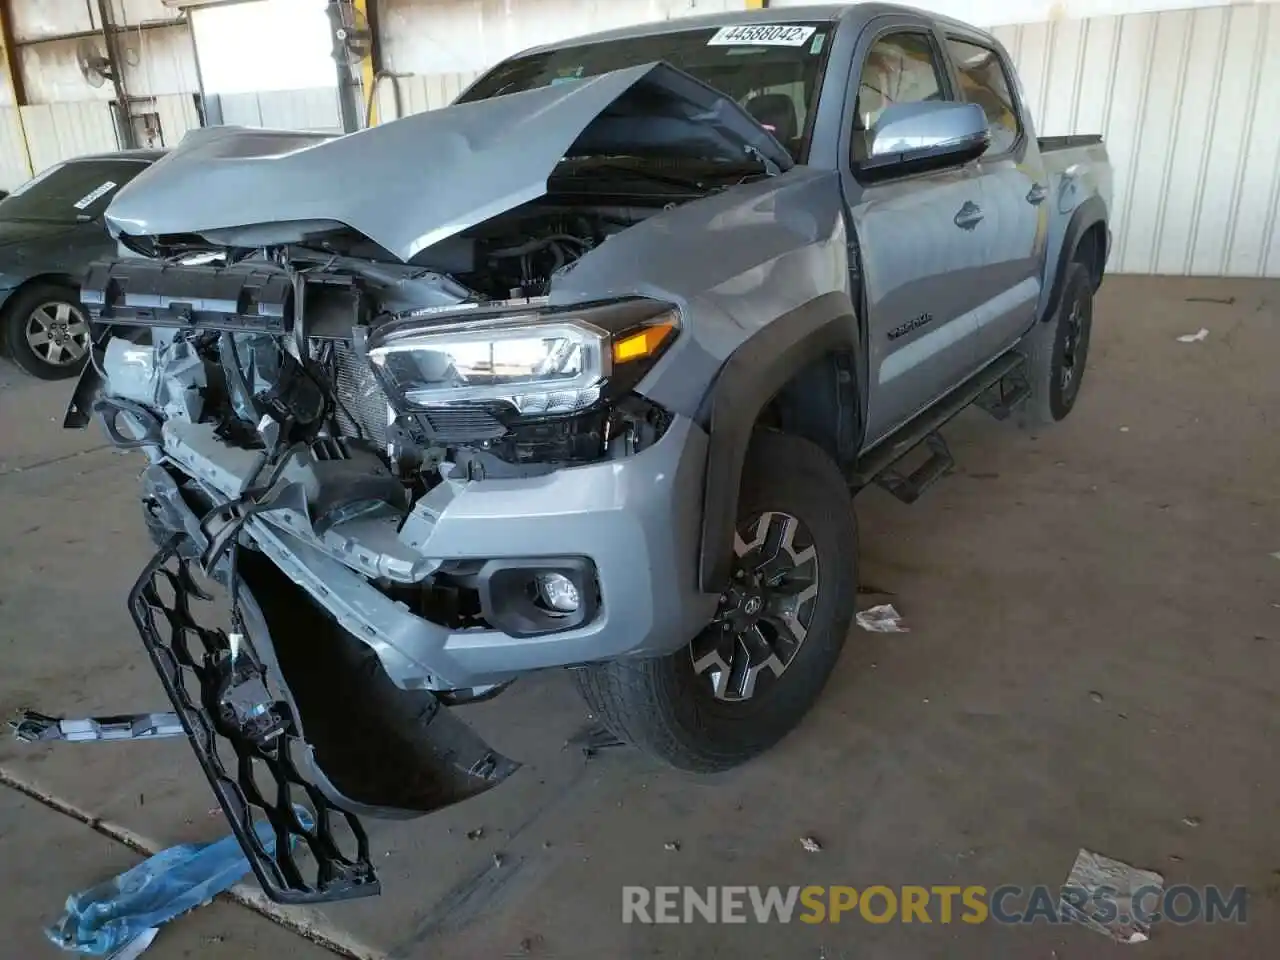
[1051,144]
[1081,158]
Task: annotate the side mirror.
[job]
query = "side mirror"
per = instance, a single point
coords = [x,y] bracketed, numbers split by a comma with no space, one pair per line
[929,135]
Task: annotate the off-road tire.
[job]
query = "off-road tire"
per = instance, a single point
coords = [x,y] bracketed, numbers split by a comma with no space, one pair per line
[662,707]
[1046,349]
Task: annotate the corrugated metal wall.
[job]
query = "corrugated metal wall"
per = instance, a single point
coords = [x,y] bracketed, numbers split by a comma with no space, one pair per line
[157,62]
[1186,103]
[420,93]
[13,155]
[59,131]
[34,19]
[466,36]
[178,114]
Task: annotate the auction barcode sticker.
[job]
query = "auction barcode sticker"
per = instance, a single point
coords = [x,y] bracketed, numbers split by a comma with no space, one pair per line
[96,194]
[763,35]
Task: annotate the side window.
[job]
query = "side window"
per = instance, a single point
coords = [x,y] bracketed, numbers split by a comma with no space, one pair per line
[900,68]
[983,81]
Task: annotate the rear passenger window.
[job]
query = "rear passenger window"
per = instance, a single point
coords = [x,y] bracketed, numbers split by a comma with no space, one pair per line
[900,68]
[983,81]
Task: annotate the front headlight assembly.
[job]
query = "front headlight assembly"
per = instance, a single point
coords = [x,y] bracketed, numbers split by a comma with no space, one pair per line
[544,364]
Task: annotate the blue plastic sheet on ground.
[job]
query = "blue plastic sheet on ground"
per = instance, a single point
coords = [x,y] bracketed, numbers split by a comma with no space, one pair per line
[104,919]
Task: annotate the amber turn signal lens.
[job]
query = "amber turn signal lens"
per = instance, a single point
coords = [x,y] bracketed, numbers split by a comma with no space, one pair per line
[644,343]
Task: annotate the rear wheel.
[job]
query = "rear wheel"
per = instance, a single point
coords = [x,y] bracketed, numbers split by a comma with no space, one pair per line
[47,331]
[1058,350]
[754,672]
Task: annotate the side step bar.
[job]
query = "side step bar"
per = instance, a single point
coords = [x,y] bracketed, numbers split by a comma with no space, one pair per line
[876,465]
[909,488]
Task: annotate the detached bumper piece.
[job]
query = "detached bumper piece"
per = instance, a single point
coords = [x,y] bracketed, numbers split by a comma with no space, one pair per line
[247,741]
[254,298]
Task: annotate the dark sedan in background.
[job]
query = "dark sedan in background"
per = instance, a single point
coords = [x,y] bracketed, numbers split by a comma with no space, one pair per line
[50,230]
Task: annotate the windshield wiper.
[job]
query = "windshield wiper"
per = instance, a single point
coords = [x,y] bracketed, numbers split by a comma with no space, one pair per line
[770,168]
[704,180]
[688,183]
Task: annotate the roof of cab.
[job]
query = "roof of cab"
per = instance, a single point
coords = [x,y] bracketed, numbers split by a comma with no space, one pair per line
[816,13]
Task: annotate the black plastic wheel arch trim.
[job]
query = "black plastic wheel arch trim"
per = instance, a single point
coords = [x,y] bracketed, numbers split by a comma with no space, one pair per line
[749,379]
[1090,213]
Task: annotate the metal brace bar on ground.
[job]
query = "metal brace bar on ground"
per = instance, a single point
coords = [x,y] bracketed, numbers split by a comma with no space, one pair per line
[32,727]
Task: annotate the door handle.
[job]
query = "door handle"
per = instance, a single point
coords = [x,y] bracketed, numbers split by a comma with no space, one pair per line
[970,216]
[1037,193]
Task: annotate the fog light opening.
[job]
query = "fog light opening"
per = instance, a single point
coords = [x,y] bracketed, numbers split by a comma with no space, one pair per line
[557,593]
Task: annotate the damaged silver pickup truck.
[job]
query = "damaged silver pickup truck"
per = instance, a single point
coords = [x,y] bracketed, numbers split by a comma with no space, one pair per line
[578,372]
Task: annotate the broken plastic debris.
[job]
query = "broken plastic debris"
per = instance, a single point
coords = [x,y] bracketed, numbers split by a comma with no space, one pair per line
[882,619]
[1191,821]
[810,845]
[119,917]
[1202,334]
[134,947]
[672,845]
[1113,912]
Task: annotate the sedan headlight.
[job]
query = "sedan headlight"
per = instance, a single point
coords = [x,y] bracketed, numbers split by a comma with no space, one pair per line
[541,364]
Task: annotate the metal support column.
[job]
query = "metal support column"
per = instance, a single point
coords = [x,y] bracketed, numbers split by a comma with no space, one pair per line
[13,70]
[124,115]
[371,65]
[348,102]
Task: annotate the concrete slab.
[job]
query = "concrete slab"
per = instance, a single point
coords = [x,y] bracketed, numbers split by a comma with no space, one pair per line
[1093,658]
[48,856]
[31,422]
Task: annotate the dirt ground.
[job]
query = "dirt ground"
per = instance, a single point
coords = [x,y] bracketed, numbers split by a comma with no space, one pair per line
[1094,661]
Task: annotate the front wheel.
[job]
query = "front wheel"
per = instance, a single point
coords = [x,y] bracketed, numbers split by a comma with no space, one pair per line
[753,673]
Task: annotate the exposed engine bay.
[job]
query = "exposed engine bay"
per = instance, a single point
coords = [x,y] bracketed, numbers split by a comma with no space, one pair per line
[521,254]
[257,387]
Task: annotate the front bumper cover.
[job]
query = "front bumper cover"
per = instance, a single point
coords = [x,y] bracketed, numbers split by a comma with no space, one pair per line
[637,520]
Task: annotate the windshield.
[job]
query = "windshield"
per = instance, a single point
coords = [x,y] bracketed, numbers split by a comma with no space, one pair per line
[773,70]
[70,192]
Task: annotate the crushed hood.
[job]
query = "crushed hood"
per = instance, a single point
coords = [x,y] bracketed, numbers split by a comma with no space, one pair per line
[412,183]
